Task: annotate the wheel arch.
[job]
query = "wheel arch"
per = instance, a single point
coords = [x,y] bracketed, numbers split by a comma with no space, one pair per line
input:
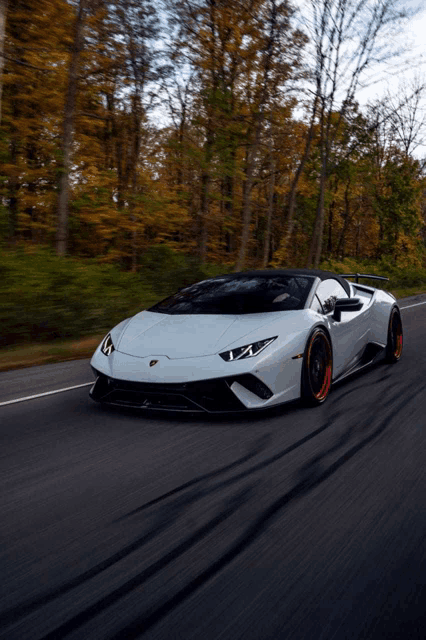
[326,330]
[307,399]
[392,353]
[381,313]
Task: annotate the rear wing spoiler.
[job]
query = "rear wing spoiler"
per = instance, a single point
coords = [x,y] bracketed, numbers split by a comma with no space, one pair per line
[362,275]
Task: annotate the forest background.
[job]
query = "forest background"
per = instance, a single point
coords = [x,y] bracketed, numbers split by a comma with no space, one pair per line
[146,145]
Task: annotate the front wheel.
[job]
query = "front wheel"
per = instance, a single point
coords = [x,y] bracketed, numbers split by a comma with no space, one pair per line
[317,368]
[395,337]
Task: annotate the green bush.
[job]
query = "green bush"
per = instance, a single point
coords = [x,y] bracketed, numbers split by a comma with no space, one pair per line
[43,297]
[167,270]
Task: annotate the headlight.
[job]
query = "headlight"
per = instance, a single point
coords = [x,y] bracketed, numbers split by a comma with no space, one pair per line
[107,347]
[248,351]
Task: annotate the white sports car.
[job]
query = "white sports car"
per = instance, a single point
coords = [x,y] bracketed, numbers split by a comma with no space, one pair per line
[247,341]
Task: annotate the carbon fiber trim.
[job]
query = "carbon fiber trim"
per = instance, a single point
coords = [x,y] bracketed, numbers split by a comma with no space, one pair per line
[369,355]
[212,396]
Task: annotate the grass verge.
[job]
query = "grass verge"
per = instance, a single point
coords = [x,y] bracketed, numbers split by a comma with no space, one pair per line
[19,357]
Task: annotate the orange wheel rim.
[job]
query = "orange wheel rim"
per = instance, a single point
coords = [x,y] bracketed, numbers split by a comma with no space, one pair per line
[326,386]
[397,335]
[319,367]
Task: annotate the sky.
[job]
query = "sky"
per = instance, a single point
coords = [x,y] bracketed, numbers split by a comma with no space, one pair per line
[405,61]
[410,64]
[388,77]
[408,67]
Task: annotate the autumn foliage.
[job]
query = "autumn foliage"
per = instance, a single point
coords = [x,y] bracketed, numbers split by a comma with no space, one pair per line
[125,129]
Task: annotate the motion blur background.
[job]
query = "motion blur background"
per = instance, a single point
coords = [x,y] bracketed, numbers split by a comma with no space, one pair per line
[146,145]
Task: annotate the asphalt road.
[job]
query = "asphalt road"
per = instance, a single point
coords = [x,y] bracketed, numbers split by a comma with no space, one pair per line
[300,523]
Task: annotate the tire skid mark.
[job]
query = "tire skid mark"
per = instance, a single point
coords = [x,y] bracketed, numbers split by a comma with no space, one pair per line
[363,385]
[258,467]
[232,505]
[390,400]
[258,447]
[271,460]
[367,385]
[352,390]
[174,510]
[163,522]
[143,623]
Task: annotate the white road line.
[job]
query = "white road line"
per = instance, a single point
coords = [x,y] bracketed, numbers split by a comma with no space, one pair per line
[413,305]
[47,393]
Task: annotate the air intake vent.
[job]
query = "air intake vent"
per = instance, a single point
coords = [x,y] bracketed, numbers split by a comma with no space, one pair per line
[256,386]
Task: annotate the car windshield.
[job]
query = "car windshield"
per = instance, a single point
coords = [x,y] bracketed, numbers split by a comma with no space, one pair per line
[239,295]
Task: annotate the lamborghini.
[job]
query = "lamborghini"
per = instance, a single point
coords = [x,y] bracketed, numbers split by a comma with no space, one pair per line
[247,341]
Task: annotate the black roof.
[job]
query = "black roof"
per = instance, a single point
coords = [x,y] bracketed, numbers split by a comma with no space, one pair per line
[316,273]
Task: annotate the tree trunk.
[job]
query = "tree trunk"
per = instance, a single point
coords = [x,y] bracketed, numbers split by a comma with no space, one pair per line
[325,142]
[267,243]
[181,133]
[204,207]
[340,252]
[133,220]
[246,212]
[136,117]
[228,193]
[331,219]
[120,173]
[13,187]
[247,189]
[318,251]
[109,132]
[358,233]
[204,203]
[134,266]
[3,13]
[68,130]
[291,206]
[330,228]
[316,242]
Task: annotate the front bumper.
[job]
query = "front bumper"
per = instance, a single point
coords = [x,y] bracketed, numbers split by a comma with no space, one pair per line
[212,396]
[226,386]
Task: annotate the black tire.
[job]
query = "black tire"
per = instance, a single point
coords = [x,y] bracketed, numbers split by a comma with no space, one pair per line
[317,368]
[395,337]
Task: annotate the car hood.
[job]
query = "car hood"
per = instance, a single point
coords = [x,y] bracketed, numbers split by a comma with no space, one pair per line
[188,336]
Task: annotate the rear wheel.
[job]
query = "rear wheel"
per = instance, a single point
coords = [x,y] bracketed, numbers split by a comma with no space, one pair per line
[317,368]
[395,337]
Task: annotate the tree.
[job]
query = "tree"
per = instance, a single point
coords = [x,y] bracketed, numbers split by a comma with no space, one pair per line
[242,144]
[347,37]
[138,22]
[33,86]
[406,115]
[243,53]
[271,190]
[3,14]
[279,50]
[68,126]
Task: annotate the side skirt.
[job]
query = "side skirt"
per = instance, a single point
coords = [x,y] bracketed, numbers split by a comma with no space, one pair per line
[371,354]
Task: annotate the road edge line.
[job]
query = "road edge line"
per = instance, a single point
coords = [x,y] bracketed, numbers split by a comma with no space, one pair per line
[413,305]
[46,393]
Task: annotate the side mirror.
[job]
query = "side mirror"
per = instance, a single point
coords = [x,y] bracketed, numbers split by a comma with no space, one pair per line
[346,304]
